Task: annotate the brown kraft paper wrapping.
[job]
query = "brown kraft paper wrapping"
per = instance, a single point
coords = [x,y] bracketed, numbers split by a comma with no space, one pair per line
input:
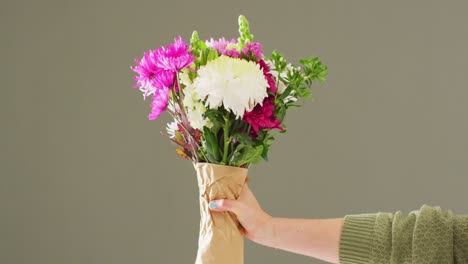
[220,240]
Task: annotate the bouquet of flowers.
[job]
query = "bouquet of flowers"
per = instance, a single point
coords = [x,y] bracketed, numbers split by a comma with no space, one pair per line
[227,100]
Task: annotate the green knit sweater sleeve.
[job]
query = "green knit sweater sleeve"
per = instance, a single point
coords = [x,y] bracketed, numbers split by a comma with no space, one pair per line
[428,235]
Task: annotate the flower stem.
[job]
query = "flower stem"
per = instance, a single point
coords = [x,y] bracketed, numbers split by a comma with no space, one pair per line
[226,139]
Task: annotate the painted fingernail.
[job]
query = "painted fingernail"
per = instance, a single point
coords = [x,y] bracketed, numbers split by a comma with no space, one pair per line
[212,205]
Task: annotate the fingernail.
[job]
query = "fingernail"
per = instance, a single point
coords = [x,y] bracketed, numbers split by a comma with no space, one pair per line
[212,205]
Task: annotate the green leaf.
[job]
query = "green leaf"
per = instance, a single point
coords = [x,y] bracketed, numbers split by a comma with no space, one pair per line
[267,141]
[212,54]
[212,147]
[314,69]
[216,117]
[235,154]
[286,92]
[278,61]
[243,138]
[249,154]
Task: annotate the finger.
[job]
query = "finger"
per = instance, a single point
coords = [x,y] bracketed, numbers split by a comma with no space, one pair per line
[224,205]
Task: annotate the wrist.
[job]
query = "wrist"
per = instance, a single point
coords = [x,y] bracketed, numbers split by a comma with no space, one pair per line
[264,230]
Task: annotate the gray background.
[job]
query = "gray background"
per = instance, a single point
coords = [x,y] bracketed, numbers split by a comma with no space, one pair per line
[86,178]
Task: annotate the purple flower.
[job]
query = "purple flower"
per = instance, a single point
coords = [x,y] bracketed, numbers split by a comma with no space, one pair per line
[163,79]
[159,103]
[254,48]
[232,53]
[145,69]
[150,78]
[156,73]
[173,57]
[219,45]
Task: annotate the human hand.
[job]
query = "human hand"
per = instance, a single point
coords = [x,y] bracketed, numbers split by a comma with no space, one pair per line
[249,213]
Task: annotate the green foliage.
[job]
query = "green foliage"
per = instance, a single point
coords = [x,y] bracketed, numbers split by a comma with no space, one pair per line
[297,82]
[314,70]
[279,61]
[216,118]
[201,51]
[247,154]
[243,138]
[210,145]
[196,44]
[268,139]
[299,79]
[244,31]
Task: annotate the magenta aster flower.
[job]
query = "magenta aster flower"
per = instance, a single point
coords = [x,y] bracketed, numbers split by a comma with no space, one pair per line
[159,103]
[163,79]
[219,45]
[263,116]
[145,69]
[254,48]
[233,53]
[173,57]
[150,77]
[268,76]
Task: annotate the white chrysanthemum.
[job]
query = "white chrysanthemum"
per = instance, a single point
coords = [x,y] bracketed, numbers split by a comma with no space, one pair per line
[281,86]
[237,84]
[193,104]
[172,128]
[196,118]
[190,96]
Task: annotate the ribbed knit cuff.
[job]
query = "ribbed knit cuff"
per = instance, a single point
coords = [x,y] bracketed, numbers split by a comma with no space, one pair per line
[356,238]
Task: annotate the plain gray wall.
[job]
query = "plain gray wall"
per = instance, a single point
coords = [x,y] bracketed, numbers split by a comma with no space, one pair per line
[86,178]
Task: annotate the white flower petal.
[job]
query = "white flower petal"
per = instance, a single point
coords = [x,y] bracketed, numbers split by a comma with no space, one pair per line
[236,84]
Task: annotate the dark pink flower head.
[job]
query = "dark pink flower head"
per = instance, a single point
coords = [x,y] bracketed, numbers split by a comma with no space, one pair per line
[254,48]
[263,116]
[159,103]
[232,53]
[219,45]
[173,57]
[268,76]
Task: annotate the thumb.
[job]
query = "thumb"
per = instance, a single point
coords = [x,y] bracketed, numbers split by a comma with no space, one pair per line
[224,205]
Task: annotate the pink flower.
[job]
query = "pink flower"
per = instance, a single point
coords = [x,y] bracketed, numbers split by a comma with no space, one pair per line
[173,57]
[263,116]
[253,48]
[150,78]
[163,79]
[159,103]
[156,73]
[232,53]
[145,69]
[268,76]
[219,45]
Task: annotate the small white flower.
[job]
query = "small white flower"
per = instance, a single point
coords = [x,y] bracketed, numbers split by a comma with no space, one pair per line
[236,84]
[172,128]
[193,104]
[281,85]
[290,98]
[190,96]
[196,118]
